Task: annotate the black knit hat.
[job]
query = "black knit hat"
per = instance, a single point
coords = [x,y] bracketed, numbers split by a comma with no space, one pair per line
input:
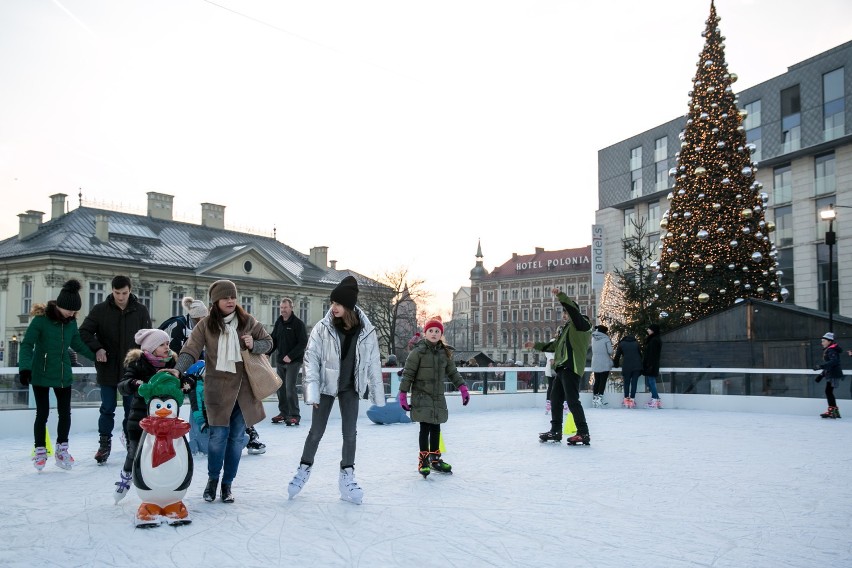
[346,293]
[69,296]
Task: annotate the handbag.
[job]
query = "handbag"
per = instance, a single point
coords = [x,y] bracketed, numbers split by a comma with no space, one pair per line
[263,379]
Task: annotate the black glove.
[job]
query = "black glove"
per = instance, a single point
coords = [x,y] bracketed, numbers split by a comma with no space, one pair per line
[818,378]
[25,375]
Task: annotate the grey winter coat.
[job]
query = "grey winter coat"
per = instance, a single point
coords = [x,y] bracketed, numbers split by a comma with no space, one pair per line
[222,390]
[628,348]
[322,361]
[601,352]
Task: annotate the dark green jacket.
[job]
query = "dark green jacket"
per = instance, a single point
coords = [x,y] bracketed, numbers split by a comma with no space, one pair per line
[44,350]
[423,377]
[573,341]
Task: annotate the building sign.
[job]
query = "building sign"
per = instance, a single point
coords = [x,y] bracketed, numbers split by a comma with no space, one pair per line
[598,263]
[552,263]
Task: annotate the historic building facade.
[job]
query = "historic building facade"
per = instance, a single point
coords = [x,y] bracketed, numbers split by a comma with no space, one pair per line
[514,304]
[165,259]
[800,124]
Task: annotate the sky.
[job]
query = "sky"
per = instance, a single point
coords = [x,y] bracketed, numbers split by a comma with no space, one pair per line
[398,134]
[673,488]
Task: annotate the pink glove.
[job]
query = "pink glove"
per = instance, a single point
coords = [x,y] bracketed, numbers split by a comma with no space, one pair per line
[403,400]
[465,395]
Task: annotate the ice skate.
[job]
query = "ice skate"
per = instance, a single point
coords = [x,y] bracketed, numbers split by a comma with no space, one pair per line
[577,439]
[349,488]
[596,401]
[424,468]
[40,458]
[551,436]
[122,486]
[63,458]
[653,403]
[299,480]
[439,465]
[832,412]
[254,446]
[104,448]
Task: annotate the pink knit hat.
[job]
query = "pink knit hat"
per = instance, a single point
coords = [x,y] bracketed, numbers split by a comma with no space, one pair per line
[150,339]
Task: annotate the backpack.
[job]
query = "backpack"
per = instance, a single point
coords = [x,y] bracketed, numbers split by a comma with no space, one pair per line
[169,326]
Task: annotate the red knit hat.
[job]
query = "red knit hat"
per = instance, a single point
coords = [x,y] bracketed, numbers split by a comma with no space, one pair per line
[434,322]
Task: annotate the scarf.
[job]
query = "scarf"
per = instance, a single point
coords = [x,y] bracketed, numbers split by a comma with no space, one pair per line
[157,362]
[164,430]
[228,353]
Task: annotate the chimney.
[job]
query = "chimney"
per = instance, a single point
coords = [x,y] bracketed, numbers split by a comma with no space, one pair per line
[319,256]
[160,205]
[332,264]
[539,250]
[213,216]
[57,209]
[102,227]
[28,223]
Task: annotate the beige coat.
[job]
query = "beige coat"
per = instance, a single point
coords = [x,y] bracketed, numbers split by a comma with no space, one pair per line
[222,389]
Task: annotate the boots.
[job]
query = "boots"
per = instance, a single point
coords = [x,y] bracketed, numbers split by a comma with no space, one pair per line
[210,490]
[105,441]
[439,465]
[63,458]
[349,488]
[299,480]
[40,458]
[227,496]
[423,464]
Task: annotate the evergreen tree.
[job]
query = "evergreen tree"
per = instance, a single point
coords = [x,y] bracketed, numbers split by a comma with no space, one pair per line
[715,241]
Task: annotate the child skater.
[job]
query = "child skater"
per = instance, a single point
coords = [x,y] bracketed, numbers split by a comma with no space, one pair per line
[831,372]
[425,368]
[45,362]
[140,365]
[341,360]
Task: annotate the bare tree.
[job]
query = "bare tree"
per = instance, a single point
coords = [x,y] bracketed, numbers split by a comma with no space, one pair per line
[393,308]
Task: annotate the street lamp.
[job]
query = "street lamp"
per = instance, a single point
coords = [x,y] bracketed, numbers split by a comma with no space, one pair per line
[830,238]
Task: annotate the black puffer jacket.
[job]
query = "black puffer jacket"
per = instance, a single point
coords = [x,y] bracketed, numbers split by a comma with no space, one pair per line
[112,329]
[138,368]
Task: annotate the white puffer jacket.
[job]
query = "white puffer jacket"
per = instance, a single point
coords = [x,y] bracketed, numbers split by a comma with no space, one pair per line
[322,361]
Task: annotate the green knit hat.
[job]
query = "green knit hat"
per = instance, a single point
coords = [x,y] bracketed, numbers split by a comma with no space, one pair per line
[162,384]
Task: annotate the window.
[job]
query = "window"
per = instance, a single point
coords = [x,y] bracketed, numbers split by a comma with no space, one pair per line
[476,338]
[782,190]
[536,336]
[570,290]
[26,297]
[504,295]
[536,293]
[784,226]
[504,339]
[96,293]
[832,104]
[525,336]
[584,289]
[274,313]
[636,172]
[489,316]
[824,174]
[785,267]
[791,119]
[661,160]
[536,314]
[177,305]
[490,296]
[548,314]
[752,128]
[525,315]
[653,217]
[143,295]
[304,310]
[525,293]
[247,303]
[822,204]
[629,218]
[490,339]
[514,315]
[823,284]
[654,246]
[504,315]
[326,305]
[515,294]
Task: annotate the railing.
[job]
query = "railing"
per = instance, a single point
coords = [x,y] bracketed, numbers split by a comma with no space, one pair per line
[790,383]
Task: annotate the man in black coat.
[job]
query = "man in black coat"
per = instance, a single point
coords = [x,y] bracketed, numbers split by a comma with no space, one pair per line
[290,338]
[109,331]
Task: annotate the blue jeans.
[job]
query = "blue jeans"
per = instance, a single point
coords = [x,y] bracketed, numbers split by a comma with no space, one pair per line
[226,447]
[631,379]
[198,440]
[652,384]
[109,402]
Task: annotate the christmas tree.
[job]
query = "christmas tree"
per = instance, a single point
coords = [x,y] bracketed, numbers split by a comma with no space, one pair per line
[714,238]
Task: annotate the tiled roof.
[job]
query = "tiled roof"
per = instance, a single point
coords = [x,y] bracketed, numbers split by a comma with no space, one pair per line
[161,243]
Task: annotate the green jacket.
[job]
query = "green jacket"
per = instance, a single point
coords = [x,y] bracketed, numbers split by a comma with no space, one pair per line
[423,377]
[573,340]
[44,349]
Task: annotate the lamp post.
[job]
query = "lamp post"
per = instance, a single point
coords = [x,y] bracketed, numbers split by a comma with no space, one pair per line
[830,239]
[13,351]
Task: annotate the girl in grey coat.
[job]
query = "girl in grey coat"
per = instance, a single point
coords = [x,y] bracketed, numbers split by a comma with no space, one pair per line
[341,361]
[601,363]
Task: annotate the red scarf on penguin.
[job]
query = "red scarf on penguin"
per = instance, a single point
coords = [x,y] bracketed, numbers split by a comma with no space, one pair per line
[159,424]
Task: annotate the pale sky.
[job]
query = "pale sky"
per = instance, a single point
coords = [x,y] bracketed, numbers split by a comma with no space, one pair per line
[395,133]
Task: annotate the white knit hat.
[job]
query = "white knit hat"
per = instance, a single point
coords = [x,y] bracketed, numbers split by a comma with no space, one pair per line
[150,339]
[195,308]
